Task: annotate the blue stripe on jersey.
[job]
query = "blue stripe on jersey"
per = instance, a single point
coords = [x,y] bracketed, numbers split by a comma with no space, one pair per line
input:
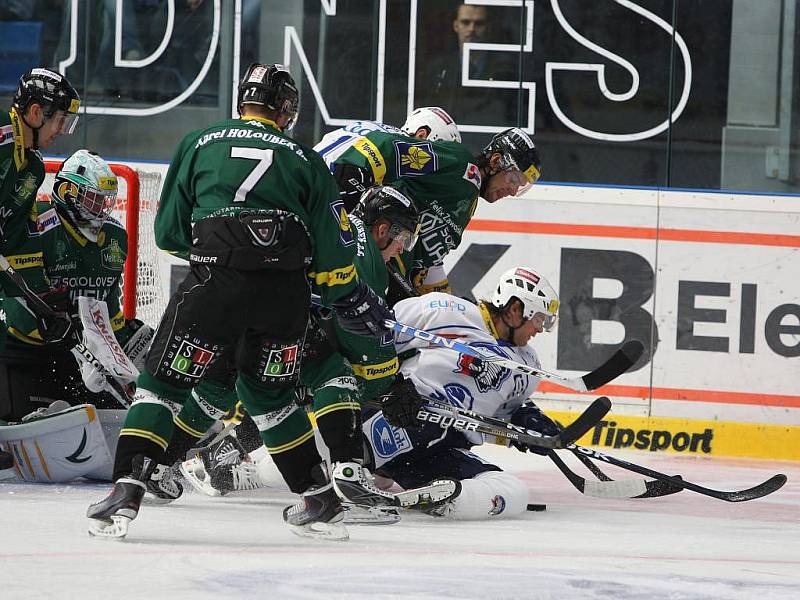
[336,143]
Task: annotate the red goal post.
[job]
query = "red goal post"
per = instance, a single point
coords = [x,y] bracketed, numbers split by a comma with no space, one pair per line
[135,208]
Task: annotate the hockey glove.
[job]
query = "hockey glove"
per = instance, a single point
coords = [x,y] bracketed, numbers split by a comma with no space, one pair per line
[363,312]
[57,328]
[401,405]
[138,343]
[352,181]
[530,416]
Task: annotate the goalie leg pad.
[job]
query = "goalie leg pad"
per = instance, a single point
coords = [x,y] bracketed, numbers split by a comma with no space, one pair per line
[60,447]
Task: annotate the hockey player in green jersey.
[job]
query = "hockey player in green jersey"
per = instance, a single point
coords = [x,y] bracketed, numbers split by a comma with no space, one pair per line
[254,212]
[445,181]
[71,248]
[44,107]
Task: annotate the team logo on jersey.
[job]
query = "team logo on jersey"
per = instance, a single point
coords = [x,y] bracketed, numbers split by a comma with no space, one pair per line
[415,159]
[345,230]
[457,395]
[473,175]
[26,188]
[498,505]
[387,440]
[281,362]
[112,255]
[191,360]
[487,375]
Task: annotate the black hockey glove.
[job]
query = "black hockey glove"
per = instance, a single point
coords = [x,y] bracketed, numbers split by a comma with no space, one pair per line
[363,312]
[530,416]
[59,327]
[352,181]
[401,405]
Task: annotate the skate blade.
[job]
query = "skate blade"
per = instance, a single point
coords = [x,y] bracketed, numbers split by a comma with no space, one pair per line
[115,527]
[438,491]
[195,473]
[359,515]
[332,532]
[153,500]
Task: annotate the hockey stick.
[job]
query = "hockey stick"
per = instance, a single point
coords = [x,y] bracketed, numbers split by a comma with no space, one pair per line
[769,486]
[42,309]
[611,488]
[463,419]
[404,285]
[622,360]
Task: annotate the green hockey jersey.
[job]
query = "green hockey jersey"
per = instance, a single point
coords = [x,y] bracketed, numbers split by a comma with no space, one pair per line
[439,176]
[374,361]
[21,174]
[57,255]
[249,164]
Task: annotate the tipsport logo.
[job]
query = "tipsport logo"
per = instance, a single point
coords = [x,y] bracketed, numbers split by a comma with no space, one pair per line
[281,363]
[191,360]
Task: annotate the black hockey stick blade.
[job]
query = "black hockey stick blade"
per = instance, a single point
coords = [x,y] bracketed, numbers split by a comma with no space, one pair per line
[611,488]
[622,360]
[769,486]
[585,421]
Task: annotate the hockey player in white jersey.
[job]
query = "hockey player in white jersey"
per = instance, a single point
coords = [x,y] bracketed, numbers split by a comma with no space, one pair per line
[523,305]
[426,123]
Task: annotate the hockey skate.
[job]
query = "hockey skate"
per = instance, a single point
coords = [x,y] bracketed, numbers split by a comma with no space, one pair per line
[355,485]
[319,514]
[7,470]
[162,487]
[111,516]
[370,515]
[221,468]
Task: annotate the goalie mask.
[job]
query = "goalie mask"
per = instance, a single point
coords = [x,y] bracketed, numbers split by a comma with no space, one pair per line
[272,87]
[518,155]
[530,288]
[86,189]
[439,124]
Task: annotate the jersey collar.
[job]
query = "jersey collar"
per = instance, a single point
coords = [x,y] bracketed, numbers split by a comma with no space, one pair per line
[73,231]
[19,139]
[487,318]
[264,120]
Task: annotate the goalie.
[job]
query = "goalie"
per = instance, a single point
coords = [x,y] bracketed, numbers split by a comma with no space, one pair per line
[73,249]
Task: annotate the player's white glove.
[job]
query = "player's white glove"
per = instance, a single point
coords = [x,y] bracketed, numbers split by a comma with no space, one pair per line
[94,380]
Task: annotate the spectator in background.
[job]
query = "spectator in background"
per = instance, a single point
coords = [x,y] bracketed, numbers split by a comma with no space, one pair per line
[440,84]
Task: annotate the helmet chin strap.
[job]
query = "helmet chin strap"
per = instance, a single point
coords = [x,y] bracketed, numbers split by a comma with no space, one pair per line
[511,329]
[35,131]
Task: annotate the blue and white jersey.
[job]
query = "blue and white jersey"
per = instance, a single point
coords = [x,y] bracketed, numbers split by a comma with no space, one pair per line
[334,144]
[453,377]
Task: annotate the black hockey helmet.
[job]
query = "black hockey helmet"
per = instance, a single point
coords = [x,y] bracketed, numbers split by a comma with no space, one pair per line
[271,86]
[397,209]
[52,92]
[517,151]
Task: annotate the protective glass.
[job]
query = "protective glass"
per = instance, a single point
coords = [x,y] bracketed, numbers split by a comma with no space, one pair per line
[66,122]
[404,236]
[548,321]
[518,179]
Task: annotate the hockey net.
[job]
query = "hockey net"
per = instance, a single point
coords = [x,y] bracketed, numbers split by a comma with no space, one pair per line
[143,294]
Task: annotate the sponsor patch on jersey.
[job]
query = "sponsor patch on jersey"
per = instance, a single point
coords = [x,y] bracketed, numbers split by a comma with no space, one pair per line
[414,159]
[388,441]
[346,235]
[26,261]
[374,157]
[473,175]
[191,360]
[281,362]
[6,134]
[44,222]
[112,256]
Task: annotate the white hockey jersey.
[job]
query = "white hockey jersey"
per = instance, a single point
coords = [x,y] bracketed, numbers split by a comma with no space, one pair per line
[334,144]
[445,374]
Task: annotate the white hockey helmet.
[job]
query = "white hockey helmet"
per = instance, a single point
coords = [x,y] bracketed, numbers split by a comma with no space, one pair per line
[86,188]
[440,125]
[532,289]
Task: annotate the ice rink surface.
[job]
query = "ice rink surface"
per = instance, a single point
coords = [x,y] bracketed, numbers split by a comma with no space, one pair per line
[677,547]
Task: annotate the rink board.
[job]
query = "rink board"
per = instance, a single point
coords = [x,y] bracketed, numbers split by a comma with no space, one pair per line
[690,436]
